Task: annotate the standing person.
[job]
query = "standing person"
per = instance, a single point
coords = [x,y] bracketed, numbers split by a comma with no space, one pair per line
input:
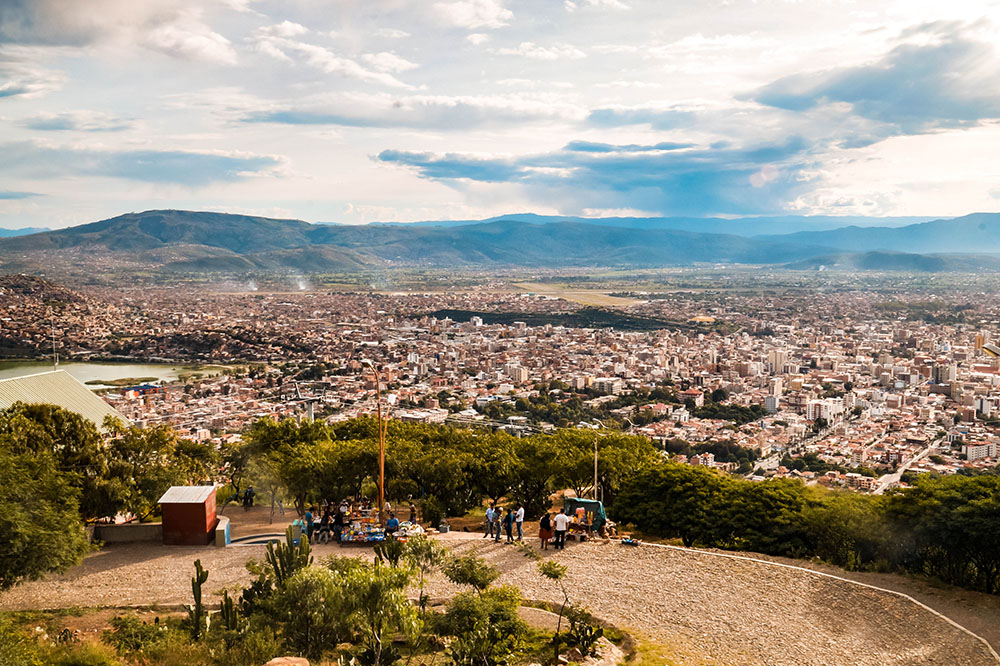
[519,520]
[308,519]
[338,523]
[545,530]
[497,519]
[413,513]
[489,522]
[508,525]
[249,497]
[562,524]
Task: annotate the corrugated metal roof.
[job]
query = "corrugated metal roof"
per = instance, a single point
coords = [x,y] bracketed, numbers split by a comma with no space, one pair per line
[59,388]
[187,494]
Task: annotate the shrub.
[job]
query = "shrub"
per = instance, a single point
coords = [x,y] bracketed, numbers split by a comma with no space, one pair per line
[471,570]
[86,654]
[130,634]
[496,607]
[433,511]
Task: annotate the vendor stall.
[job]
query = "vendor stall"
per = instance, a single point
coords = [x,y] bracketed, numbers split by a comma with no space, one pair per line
[362,527]
[587,517]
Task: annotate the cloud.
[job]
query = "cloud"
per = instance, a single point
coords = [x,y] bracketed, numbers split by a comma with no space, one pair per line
[441,112]
[573,5]
[656,116]
[672,180]
[947,79]
[591,147]
[477,38]
[388,62]
[7,195]
[474,14]
[181,167]
[173,27]
[272,41]
[19,79]
[391,33]
[538,52]
[81,121]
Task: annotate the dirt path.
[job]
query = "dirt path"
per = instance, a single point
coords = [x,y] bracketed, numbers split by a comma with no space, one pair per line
[706,610]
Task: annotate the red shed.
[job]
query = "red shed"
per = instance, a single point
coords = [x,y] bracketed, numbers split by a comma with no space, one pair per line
[188,515]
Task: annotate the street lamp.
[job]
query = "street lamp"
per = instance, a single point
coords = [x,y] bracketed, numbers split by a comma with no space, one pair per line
[381,442]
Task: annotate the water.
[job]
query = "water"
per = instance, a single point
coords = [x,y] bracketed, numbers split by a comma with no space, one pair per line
[105,372]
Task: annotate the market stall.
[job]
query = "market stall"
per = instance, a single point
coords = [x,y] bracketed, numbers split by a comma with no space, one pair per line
[587,517]
[362,527]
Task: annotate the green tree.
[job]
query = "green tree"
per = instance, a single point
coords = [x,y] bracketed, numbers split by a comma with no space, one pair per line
[40,527]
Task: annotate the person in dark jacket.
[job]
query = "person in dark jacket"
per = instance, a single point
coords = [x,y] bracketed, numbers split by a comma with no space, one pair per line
[508,525]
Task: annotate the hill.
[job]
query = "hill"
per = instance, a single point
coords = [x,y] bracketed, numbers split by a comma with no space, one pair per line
[898,261]
[977,233]
[10,233]
[205,242]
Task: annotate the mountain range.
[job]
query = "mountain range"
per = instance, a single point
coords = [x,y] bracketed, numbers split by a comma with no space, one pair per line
[179,241]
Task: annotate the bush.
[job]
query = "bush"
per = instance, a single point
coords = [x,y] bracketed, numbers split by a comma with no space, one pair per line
[471,570]
[496,607]
[130,634]
[257,646]
[16,648]
[484,645]
[433,511]
[312,611]
[86,654]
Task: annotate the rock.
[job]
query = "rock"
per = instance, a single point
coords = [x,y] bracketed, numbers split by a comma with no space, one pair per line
[574,654]
[288,661]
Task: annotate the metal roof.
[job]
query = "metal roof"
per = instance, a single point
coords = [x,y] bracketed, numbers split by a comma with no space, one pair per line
[187,494]
[59,388]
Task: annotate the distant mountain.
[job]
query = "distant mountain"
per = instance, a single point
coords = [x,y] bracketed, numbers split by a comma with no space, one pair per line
[744,226]
[202,242]
[977,233]
[10,233]
[898,261]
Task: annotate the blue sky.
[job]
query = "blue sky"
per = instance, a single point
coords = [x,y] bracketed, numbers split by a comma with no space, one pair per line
[356,111]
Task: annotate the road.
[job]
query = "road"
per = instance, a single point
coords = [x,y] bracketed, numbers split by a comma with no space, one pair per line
[888,480]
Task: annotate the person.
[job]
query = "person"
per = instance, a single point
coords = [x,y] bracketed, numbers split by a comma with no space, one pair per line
[324,526]
[308,520]
[545,530]
[562,524]
[281,507]
[392,524]
[508,525]
[497,520]
[489,522]
[298,526]
[338,523]
[519,520]
[413,513]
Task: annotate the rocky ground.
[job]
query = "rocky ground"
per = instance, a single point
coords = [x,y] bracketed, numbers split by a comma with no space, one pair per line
[703,609]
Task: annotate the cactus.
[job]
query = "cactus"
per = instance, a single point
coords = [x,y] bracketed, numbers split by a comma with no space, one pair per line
[229,614]
[287,558]
[196,613]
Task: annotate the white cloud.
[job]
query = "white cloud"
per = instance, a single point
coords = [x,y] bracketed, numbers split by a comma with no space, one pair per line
[573,5]
[284,29]
[19,79]
[189,38]
[391,33]
[269,42]
[388,62]
[474,14]
[477,38]
[81,121]
[174,27]
[539,52]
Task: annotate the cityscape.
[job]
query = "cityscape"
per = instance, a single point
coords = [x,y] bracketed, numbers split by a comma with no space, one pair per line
[499,333]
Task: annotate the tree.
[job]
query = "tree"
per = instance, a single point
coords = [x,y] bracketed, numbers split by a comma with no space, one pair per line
[377,606]
[40,527]
[75,445]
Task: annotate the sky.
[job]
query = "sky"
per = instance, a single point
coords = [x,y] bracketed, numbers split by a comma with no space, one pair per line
[392,110]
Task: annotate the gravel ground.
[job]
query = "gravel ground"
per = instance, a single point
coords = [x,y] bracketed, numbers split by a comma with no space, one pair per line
[705,610]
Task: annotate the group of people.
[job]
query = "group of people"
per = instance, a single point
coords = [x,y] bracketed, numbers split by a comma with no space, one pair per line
[500,520]
[550,528]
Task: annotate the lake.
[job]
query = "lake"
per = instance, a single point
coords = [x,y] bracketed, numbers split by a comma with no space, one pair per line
[105,372]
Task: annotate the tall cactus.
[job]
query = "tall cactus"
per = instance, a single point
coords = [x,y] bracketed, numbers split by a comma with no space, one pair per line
[287,558]
[196,613]
[229,614]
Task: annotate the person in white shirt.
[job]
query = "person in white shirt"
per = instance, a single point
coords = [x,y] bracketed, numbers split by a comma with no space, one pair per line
[519,519]
[562,524]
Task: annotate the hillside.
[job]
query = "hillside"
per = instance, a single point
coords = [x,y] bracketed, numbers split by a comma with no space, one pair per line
[191,242]
[10,233]
[978,232]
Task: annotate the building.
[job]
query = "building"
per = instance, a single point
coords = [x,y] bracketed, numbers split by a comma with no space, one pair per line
[61,389]
[978,451]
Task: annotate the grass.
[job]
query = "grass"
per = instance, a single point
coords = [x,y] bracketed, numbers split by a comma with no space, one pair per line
[575,295]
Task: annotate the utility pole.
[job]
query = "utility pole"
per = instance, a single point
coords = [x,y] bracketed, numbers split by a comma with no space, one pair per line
[52,331]
[381,444]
